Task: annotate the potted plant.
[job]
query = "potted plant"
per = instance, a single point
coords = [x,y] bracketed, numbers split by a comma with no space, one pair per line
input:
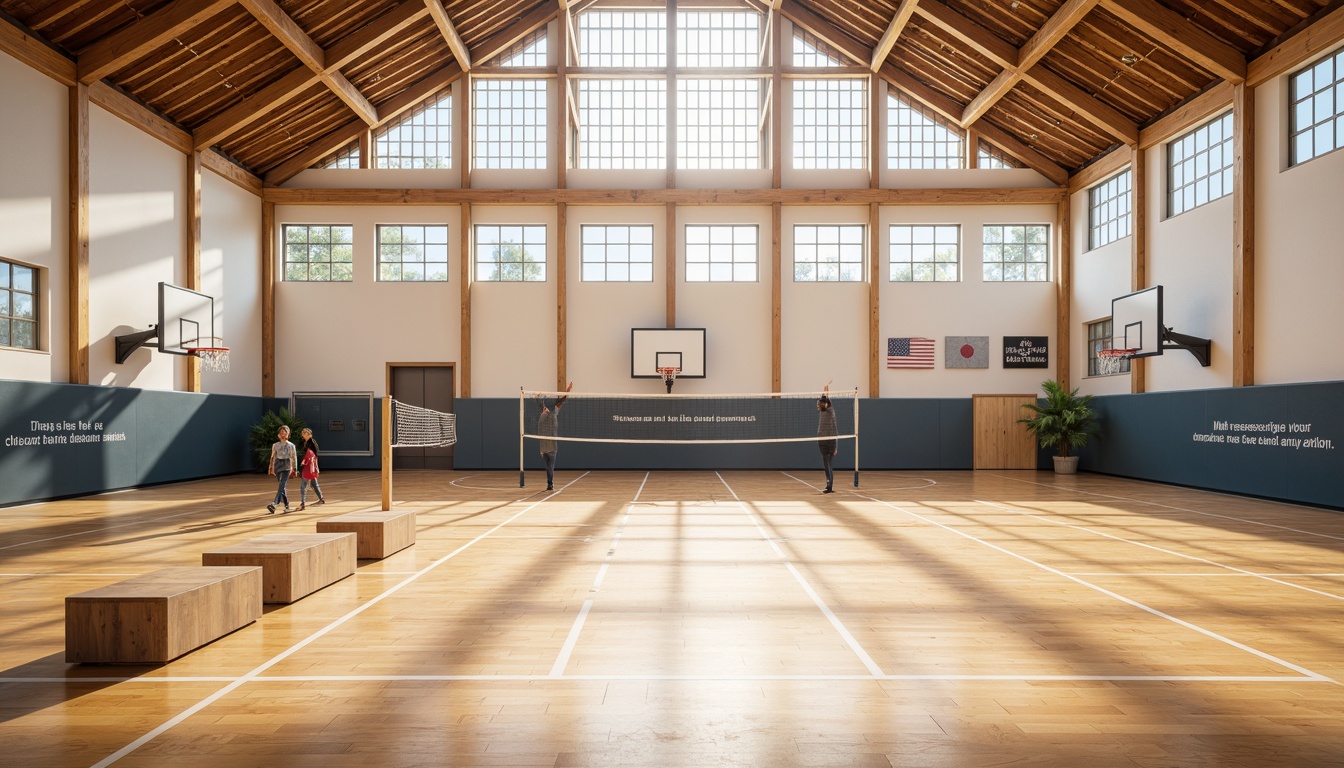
[263,434]
[1065,422]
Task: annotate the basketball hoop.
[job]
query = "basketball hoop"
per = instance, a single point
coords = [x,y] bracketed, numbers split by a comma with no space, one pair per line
[669,375]
[212,358]
[1113,361]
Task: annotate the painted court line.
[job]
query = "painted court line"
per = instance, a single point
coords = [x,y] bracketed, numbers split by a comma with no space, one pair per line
[256,672]
[773,541]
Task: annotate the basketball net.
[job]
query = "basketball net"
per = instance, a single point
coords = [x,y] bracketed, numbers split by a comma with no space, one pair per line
[215,358]
[1113,361]
[669,375]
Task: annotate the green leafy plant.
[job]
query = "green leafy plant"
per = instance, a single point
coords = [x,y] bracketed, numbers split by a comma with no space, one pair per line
[1065,422]
[263,434]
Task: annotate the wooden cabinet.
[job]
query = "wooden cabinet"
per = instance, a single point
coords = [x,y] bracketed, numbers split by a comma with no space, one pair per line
[999,441]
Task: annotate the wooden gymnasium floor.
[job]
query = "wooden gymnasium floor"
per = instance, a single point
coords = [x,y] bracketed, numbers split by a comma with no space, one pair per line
[664,619]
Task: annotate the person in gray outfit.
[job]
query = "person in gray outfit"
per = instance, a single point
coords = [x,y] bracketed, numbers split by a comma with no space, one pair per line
[825,429]
[546,426]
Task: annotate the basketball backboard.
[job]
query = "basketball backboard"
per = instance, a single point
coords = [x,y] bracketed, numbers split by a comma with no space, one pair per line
[654,348]
[1136,322]
[186,319]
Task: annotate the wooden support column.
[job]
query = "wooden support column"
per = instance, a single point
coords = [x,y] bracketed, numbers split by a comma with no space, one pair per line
[972,148]
[776,104]
[366,150]
[1064,292]
[561,295]
[77,317]
[875,359]
[1138,178]
[466,275]
[875,88]
[269,239]
[776,295]
[192,268]
[1243,236]
[670,265]
[671,84]
[562,108]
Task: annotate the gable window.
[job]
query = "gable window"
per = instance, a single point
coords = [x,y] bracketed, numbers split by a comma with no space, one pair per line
[917,138]
[828,253]
[509,120]
[1098,338]
[924,253]
[618,253]
[412,253]
[345,158]
[622,123]
[1108,211]
[423,139]
[511,253]
[319,253]
[992,158]
[710,38]
[719,123]
[1317,116]
[1199,166]
[531,51]
[721,253]
[18,305]
[830,119]
[1016,253]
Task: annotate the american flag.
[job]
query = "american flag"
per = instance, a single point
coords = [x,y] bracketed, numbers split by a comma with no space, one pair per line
[914,352]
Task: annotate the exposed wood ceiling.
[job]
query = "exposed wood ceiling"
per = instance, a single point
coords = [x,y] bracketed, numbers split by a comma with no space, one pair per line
[277,84]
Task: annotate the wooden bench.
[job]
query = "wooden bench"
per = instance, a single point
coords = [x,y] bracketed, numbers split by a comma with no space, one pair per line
[380,532]
[292,564]
[155,618]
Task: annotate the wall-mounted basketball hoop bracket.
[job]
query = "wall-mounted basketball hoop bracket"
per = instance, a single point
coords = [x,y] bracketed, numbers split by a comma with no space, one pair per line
[132,341]
[1193,344]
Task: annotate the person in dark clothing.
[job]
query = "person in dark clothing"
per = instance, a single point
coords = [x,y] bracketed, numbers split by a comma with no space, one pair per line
[308,469]
[546,426]
[826,428]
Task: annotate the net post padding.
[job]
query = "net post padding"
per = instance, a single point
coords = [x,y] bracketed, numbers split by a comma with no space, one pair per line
[1112,361]
[669,375]
[214,357]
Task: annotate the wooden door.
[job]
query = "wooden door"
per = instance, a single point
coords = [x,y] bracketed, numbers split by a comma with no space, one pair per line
[999,441]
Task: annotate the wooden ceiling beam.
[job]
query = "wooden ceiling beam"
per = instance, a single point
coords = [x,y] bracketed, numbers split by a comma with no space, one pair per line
[140,38]
[449,33]
[1176,33]
[1089,107]
[980,39]
[33,51]
[1035,49]
[337,138]
[348,93]
[893,33]
[288,32]
[969,196]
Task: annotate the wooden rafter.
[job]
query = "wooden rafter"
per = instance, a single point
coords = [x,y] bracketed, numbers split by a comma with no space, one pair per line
[893,33]
[1176,33]
[571,196]
[138,39]
[449,33]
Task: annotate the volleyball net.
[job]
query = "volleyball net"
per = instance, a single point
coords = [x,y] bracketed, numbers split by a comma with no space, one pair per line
[789,417]
[410,426]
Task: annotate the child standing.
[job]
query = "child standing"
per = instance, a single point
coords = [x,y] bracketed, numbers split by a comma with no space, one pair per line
[308,469]
[282,467]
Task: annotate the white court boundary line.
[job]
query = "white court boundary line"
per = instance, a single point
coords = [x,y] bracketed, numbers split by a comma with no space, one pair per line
[1114,595]
[256,671]
[1196,558]
[873,669]
[1160,505]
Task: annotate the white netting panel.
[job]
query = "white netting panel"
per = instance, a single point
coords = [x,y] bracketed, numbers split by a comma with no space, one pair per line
[1113,361]
[214,359]
[416,427]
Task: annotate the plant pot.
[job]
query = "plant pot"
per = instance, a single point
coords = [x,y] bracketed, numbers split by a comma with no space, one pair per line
[1066,465]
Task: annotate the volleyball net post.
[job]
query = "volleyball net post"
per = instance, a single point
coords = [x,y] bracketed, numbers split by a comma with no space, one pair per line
[664,419]
[410,426]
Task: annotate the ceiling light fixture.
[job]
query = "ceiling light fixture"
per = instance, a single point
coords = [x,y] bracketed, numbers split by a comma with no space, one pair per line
[1130,58]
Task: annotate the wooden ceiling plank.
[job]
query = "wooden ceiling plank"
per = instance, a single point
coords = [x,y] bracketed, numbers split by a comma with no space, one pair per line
[1168,28]
[893,33]
[56,12]
[136,40]
[1089,107]
[503,39]
[980,39]
[372,35]
[30,50]
[348,93]
[288,32]
[253,108]
[403,101]
[449,33]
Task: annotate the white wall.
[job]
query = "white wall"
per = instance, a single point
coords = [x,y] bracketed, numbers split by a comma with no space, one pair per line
[33,211]
[231,272]
[514,324]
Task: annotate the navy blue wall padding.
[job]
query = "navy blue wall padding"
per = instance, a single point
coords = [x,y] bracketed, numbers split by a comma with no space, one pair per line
[1238,440]
[59,440]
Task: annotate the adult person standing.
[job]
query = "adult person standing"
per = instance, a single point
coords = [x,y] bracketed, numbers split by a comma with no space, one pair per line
[282,466]
[826,428]
[547,423]
[308,469]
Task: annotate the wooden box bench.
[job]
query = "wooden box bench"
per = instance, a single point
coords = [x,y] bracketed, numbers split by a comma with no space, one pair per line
[380,533]
[292,564]
[159,616]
